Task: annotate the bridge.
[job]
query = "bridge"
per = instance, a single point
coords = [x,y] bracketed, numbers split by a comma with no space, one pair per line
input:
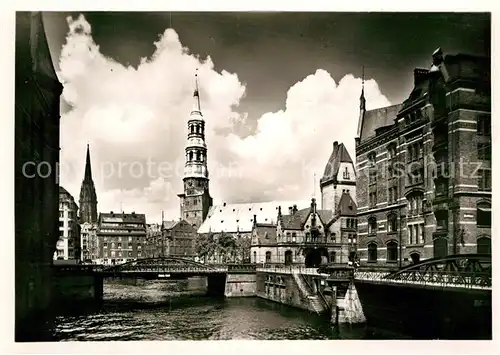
[467,271]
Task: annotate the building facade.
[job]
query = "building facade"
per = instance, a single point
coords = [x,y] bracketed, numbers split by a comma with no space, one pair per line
[195,201]
[178,239]
[68,246]
[88,197]
[424,167]
[89,242]
[153,240]
[308,237]
[37,114]
[121,237]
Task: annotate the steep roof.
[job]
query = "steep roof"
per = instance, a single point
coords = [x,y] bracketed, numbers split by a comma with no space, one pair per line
[339,155]
[232,218]
[380,117]
[266,234]
[347,206]
[296,221]
[123,218]
[169,224]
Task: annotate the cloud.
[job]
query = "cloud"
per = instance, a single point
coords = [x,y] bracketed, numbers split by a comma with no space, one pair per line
[135,121]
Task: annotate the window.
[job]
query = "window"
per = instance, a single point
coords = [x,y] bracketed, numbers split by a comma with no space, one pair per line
[484,151]
[372,178]
[484,245]
[268,256]
[288,237]
[484,180]
[346,174]
[392,252]
[372,159]
[441,220]
[373,199]
[294,237]
[372,253]
[410,234]
[372,225]
[483,216]
[393,195]
[440,247]
[483,125]
[119,245]
[391,151]
[254,256]
[308,236]
[332,257]
[333,237]
[392,223]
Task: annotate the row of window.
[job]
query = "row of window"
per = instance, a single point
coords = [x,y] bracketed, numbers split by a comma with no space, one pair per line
[415,204]
[119,245]
[416,234]
[415,151]
[392,224]
[195,129]
[196,155]
[120,254]
[119,239]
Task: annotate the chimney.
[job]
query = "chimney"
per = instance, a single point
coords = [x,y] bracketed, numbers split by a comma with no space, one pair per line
[419,75]
[224,204]
[254,220]
[294,209]
[335,147]
[290,210]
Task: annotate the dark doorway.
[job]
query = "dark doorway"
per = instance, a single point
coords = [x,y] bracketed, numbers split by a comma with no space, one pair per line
[484,245]
[288,257]
[415,258]
[315,257]
[440,247]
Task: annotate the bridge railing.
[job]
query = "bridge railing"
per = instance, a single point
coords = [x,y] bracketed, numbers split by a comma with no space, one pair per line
[288,269]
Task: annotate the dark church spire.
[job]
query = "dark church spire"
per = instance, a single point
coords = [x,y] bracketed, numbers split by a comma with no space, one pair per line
[88,168]
[196,95]
[88,197]
[362,101]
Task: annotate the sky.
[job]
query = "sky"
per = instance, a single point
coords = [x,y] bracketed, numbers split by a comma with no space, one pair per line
[277,89]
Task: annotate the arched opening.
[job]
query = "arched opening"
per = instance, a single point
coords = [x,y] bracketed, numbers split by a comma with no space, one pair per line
[372,253]
[392,223]
[415,258]
[440,247]
[268,256]
[316,257]
[372,225]
[483,216]
[392,252]
[288,257]
[484,245]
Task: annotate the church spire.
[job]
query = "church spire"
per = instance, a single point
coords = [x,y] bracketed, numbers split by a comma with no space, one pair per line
[362,105]
[88,168]
[196,95]
[88,197]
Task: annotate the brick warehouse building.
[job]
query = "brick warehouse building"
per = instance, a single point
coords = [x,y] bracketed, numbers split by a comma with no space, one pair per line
[416,199]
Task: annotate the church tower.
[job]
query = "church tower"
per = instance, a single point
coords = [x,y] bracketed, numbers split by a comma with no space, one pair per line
[88,197]
[195,201]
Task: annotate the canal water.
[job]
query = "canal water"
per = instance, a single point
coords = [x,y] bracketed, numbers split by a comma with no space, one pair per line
[159,310]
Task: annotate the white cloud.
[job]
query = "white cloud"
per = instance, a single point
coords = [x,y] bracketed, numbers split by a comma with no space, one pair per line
[137,115]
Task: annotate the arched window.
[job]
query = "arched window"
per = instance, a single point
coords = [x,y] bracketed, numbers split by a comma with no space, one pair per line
[392,252]
[415,258]
[372,225]
[392,222]
[483,216]
[484,245]
[268,256]
[372,253]
[288,257]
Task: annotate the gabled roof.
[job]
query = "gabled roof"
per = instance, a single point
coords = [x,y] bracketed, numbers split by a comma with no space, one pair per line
[339,155]
[169,224]
[297,220]
[266,234]
[347,206]
[380,117]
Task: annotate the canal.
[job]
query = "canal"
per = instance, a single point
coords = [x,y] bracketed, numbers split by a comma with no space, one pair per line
[159,310]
